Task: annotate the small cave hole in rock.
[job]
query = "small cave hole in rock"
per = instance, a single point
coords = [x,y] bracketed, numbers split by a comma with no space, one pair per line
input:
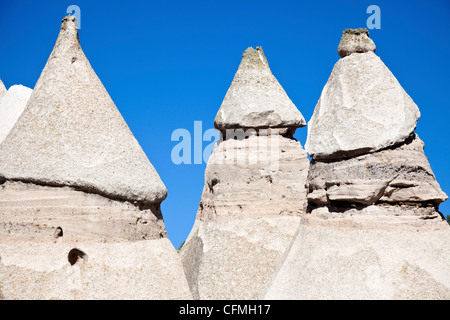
[58,232]
[74,255]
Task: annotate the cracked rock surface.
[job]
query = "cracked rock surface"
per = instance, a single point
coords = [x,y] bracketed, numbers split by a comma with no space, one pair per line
[247,217]
[256,99]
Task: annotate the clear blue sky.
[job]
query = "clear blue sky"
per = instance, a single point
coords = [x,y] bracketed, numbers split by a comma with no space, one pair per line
[167,64]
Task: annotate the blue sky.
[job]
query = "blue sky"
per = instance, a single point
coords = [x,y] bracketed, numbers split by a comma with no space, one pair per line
[167,64]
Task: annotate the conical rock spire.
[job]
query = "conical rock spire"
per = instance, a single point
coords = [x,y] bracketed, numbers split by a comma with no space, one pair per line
[362,108]
[355,40]
[72,134]
[254,189]
[79,196]
[256,99]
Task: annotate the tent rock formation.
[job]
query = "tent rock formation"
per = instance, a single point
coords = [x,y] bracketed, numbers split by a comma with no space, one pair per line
[254,189]
[373,229]
[79,200]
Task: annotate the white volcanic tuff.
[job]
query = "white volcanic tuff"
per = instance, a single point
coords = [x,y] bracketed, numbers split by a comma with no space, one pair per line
[148,269]
[372,230]
[393,175]
[362,109]
[12,104]
[83,139]
[247,217]
[256,99]
[71,139]
[254,189]
[379,252]
[125,250]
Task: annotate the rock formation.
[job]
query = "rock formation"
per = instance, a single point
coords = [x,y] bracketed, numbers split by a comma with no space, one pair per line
[254,188]
[12,104]
[79,200]
[373,229]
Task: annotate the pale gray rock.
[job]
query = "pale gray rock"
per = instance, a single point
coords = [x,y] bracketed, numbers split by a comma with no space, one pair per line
[12,105]
[400,174]
[256,99]
[355,41]
[72,134]
[378,252]
[362,109]
[60,243]
[79,200]
[91,270]
[254,189]
[372,228]
[249,211]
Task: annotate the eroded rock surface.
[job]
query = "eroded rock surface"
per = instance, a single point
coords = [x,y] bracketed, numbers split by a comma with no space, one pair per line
[79,200]
[355,40]
[362,109]
[377,252]
[12,104]
[373,229]
[400,174]
[83,140]
[256,99]
[254,189]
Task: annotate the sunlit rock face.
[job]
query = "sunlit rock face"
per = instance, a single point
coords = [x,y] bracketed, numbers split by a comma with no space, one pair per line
[373,229]
[79,200]
[254,189]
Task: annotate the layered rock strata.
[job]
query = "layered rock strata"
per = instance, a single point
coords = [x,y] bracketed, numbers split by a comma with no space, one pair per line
[254,189]
[2,88]
[373,229]
[79,200]
[256,99]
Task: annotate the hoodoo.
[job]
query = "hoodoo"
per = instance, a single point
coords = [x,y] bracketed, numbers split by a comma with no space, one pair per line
[373,229]
[254,188]
[256,99]
[2,88]
[79,200]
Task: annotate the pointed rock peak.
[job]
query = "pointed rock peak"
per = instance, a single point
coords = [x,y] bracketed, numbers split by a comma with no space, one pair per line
[84,142]
[355,40]
[254,58]
[256,99]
